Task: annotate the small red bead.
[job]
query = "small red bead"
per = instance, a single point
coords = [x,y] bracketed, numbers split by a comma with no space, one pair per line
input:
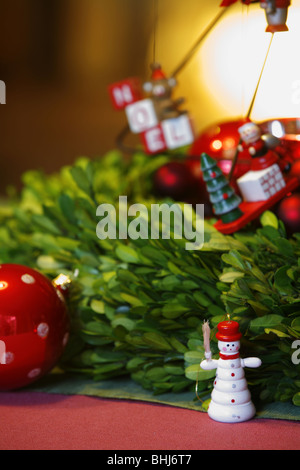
[232,401]
[232,375]
[225,196]
[212,174]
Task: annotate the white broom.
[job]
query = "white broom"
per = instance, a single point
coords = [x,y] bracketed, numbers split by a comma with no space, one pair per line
[206,340]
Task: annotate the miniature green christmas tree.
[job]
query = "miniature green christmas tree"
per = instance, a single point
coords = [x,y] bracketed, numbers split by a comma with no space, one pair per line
[222,196]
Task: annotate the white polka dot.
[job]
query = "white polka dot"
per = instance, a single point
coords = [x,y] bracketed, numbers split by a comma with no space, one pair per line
[34,373]
[9,357]
[65,339]
[42,330]
[28,279]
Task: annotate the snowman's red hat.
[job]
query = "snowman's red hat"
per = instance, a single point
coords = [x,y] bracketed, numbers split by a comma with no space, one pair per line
[157,73]
[228,331]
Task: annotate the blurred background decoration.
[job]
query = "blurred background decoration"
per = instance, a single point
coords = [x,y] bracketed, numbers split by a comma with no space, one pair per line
[57,58]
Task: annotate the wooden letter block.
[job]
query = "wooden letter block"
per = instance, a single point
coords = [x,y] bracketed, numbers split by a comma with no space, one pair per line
[125,92]
[153,140]
[141,116]
[178,132]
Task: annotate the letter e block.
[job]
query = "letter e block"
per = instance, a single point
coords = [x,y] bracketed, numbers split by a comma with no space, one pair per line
[125,92]
[153,140]
[178,132]
[141,116]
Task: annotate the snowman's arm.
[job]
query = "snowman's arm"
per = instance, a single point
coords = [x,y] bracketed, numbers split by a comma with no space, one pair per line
[209,365]
[251,362]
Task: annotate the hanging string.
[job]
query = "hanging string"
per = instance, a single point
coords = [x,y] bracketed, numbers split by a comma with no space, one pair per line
[251,106]
[259,79]
[194,48]
[155,21]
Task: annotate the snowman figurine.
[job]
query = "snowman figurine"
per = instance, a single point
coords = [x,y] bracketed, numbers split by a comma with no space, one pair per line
[230,398]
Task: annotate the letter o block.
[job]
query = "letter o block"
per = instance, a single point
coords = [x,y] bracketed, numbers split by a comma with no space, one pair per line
[141,116]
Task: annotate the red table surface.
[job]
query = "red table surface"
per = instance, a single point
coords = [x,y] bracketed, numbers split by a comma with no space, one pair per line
[41,421]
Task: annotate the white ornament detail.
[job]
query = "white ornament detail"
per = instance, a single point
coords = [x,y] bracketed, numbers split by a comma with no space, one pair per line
[28,279]
[42,330]
[9,357]
[34,373]
[2,352]
[65,339]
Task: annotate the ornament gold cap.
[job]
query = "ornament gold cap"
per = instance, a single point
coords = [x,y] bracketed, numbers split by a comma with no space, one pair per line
[62,281]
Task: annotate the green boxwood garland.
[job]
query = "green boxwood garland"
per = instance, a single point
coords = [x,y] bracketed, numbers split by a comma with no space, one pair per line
[137,306]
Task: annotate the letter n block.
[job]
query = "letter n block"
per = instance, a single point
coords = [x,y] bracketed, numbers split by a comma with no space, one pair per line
[125,92]
[153,140]
[141,116]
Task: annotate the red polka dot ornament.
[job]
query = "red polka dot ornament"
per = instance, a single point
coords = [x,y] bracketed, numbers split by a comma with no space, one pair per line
[34,324]
[230,398]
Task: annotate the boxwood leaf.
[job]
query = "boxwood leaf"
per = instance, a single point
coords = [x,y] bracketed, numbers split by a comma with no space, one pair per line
[194,372]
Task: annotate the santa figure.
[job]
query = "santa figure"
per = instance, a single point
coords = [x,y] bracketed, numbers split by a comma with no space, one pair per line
[230,398]
[257,146]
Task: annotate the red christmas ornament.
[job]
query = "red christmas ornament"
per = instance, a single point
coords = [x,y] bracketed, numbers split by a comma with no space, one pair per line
[288,211]
[220,142]
[175,180]
[295,168]
[34,325]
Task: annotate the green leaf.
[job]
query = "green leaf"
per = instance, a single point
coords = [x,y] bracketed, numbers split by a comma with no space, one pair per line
[266,321]
[202,299]
[98,306]
[269,218]
[277,332]
[173,310]
[194,372]
[296,399]
[127,323]
[45,223]
[230,276]
[284,246]
[127,254]
[81,179]
[157,341]
[130,299]
[296,324]
[67,207]
[282,282]
[194,357]
[170,282]
[234,259]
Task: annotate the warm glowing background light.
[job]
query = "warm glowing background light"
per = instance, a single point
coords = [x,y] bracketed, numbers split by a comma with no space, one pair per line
[220,80]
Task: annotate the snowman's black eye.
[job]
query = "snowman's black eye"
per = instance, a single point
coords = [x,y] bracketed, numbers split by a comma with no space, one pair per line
[232,345]
[227,345]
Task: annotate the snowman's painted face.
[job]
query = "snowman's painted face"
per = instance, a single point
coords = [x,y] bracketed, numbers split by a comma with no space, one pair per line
[229,347]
